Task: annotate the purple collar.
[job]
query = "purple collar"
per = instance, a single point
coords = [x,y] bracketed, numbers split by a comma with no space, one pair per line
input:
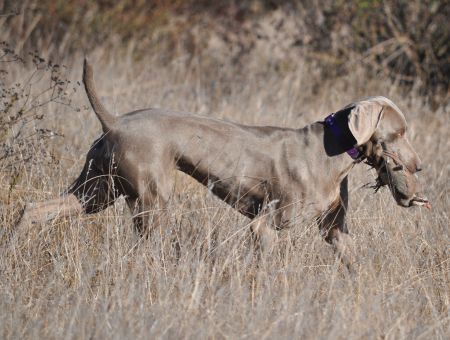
[342,138]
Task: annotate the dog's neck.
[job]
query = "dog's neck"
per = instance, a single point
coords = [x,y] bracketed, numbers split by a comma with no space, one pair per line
[342,162]
[336,125]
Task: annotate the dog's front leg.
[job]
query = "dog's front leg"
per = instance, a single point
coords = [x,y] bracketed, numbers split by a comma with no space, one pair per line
[264,236]
[263,228]
[334,230]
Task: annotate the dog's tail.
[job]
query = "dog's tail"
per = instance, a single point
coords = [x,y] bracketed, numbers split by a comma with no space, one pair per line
[106,119]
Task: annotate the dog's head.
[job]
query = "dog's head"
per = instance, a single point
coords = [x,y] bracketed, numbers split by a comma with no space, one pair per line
[379,128]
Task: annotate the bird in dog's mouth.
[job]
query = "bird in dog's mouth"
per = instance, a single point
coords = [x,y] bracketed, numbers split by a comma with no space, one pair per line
[403,185]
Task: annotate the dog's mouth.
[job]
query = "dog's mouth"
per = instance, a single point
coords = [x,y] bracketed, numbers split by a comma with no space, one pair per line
[420,201]
[415,200]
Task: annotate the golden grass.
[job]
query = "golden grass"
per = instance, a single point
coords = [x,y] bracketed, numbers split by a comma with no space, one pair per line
[91,277]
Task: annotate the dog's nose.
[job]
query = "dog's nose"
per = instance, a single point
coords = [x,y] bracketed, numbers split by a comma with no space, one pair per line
[418,164]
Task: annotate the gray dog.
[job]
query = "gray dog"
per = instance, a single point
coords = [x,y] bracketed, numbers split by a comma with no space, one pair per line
[269,174]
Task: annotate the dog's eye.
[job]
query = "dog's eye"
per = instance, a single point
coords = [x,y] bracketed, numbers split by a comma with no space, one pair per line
[398,168]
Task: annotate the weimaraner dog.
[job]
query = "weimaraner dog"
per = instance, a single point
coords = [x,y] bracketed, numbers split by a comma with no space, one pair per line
[269,174]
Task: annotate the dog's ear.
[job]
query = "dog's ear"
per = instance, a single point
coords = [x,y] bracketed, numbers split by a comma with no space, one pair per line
[365,118]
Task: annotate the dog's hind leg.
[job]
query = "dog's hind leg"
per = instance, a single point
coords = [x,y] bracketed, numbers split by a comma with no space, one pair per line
[93,191]
[63,206]
[149,204]
[145,213]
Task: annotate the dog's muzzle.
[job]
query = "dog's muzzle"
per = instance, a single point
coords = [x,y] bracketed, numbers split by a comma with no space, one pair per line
[402,183]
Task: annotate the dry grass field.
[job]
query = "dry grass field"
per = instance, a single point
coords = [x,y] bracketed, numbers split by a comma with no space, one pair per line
[92,277]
